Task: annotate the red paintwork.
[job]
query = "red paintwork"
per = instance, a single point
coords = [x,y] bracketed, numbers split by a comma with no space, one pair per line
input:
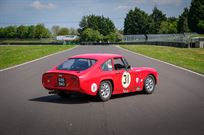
[82,81]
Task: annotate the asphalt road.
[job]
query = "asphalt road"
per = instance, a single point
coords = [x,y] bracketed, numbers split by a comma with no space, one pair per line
[176,106]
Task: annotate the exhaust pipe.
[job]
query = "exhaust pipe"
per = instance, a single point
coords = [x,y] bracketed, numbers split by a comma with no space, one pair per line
[52,92]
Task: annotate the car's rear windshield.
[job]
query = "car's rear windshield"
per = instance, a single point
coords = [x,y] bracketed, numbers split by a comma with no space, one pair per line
[76,64]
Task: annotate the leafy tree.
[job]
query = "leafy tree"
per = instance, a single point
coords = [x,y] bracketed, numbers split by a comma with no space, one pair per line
[73,31]
[2,33]
[201,24]
[183,22]
[164,27]
[136,22]
[10,32]
[156,17]
[90,35]
[121,31]
[55,30]
[172,19]
[63,31]
[196,16]
[100,23]
[31,31]
[113,37]
[22,32]
[168,27]
[41,31]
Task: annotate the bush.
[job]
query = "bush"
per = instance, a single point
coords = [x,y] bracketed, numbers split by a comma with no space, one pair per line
[90,35]
[113,37]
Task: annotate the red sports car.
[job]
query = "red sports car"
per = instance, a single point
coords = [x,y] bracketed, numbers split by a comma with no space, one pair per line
[99,75]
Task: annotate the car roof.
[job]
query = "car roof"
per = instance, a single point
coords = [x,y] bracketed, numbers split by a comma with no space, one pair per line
[98,56]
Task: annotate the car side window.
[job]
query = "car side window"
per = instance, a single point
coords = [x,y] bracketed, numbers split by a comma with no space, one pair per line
[107,66]
[119,64]
[125,61]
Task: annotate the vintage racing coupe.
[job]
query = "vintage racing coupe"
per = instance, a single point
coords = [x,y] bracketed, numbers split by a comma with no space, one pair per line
[99,74]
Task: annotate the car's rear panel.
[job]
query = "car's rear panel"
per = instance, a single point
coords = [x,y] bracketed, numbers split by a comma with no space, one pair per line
[60,81]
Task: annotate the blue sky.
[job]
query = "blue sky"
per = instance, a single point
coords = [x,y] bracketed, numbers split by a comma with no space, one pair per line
[68,13]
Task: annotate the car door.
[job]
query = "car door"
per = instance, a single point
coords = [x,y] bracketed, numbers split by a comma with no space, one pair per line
[123,78]
[132,85]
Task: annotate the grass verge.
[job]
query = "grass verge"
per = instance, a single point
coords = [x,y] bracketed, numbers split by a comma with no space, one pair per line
[190,58]
[13,55]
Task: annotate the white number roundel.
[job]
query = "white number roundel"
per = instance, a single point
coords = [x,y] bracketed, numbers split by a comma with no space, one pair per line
[126,79]
[94,87]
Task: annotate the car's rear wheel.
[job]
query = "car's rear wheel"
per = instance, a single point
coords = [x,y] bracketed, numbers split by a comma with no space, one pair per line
[149,85]
[105,90]
[63,94]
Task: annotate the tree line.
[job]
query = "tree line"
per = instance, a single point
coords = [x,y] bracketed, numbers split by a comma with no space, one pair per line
[57,30]
[191,20]
[35,31]
[25,32]
[101,29]
[92,28]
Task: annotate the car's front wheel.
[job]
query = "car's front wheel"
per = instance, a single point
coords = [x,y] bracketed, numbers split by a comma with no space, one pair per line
[149,85]
[105,90]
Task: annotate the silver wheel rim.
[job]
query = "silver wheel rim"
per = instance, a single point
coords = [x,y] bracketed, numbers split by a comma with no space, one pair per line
[105,90]
[149,84]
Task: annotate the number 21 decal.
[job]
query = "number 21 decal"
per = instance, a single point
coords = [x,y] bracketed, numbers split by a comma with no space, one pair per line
[126,79]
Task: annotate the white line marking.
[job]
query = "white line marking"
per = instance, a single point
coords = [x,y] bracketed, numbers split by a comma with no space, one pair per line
[37,59]
[162,61]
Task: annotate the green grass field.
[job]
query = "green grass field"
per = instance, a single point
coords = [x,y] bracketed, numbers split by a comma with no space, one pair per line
[190,58]
[198,35]
[13,55]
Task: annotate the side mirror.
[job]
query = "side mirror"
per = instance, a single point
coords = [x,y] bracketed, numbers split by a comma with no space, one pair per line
[128,67]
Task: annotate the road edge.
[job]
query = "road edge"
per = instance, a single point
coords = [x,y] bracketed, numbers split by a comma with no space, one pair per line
[161,61]
[12,67]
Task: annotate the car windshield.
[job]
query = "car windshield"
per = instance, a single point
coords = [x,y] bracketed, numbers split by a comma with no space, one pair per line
[76,64]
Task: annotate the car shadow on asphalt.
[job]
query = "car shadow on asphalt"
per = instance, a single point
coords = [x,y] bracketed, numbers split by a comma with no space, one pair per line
[74,99]
[79,98]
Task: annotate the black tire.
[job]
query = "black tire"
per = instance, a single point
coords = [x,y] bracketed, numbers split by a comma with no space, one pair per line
[63,94]
[149,85]
[105,91]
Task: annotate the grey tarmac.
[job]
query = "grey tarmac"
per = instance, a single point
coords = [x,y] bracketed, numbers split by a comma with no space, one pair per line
[176,106]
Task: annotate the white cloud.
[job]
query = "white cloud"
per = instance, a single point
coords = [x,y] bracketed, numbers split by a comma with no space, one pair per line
[122,7]
[139,1]
[38,5]
[167,2]
[158,2]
